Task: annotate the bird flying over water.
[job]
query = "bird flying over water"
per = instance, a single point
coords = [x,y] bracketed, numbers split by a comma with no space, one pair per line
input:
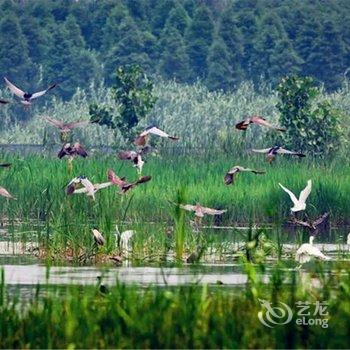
[26,97]
[200,211]
[87,186]
[273,151]
[72,150]
[122,184]
[152,130]
[230,175]
[299,204]
[255,119]
[307,250]
[65,128]
[5,193]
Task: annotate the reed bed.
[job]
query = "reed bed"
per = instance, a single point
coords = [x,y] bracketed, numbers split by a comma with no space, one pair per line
[178,317]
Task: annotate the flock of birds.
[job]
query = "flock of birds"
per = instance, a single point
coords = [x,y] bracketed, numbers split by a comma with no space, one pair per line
[82,185]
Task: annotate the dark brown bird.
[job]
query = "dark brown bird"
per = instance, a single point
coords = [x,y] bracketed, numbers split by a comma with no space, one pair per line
[135,157]
[4,102]
[273,151]
[72,150]
[255,119]
[26,97]
[230,175]
[122,184]
[311,225]
[152,130]
[65,128]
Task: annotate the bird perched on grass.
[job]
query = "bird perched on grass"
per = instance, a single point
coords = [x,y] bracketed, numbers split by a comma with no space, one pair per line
[87,186]
[141,140]
[307,250]
[312,226]
[135,157]
[98,238]
[230,175]
[5,193]
[26,97]
[124,239]
[299,204]
[255,119]
[66,128]
[273,151]
[200,211]
[122,184]
[4,102]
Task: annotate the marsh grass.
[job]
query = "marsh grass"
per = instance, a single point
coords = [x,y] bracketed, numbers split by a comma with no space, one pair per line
[176,317]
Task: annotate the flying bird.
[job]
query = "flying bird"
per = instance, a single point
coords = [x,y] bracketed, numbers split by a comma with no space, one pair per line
[230,175]
[299,204]
[313,226]
[273,151]
[200,211]
[5,193]
[152,130]
[135,157]
[307,250]
[255,119]
[122,184]
[65,128]
[72,150]
[98,238]
[26,97]
[4,102]
[87,186]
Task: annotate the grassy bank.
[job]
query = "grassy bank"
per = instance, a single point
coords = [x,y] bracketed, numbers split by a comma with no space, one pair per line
[180,317]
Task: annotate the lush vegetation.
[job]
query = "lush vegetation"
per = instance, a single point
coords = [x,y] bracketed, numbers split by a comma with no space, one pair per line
[221,43]
[180,317]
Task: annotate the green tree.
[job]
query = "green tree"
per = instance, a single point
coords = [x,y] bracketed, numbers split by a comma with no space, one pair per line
[220,74]
[199,37]
[133,97]
[174,61]
[312,126]
[178,18]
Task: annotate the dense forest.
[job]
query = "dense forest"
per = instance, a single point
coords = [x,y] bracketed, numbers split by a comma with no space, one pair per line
[221,43]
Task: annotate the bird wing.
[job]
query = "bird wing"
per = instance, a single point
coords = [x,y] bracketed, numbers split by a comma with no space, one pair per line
[243,125]
[158,132]
[5,193]
[127,155]
[59,124]
[41,93]
[305,192]
[252,170]
[103,185]
[5,165]
[116,180]
[73,125]
[211,211]
[142,180]
[14,89]
[291,194]
[264,150]
[320,220]
[285,151]
[263,122]
[188,207]
[80,150]
[3,102]
[90,188]
[80,190]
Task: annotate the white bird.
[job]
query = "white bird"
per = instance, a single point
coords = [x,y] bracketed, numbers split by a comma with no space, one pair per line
[308,250]
[125,240]
[88,187]
[98,238]
[299,204]
[348,239]
[152,130]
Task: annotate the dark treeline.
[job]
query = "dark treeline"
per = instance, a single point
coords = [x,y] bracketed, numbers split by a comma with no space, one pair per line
[221,42]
